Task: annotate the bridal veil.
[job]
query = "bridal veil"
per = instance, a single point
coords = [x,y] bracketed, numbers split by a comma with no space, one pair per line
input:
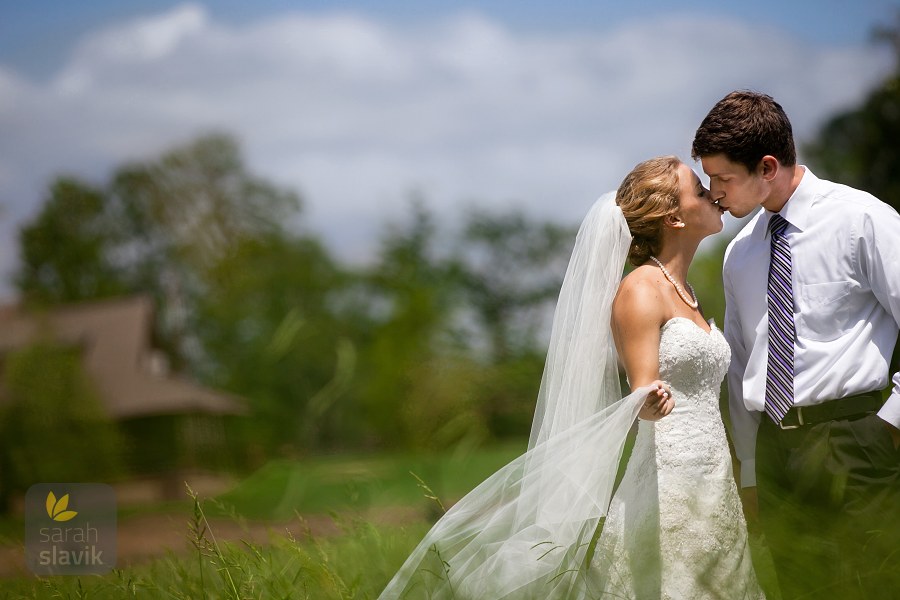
[528,531]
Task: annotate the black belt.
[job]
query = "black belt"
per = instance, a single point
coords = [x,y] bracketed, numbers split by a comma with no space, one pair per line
[832,410]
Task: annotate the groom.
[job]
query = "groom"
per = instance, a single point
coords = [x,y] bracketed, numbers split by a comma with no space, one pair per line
[812,288]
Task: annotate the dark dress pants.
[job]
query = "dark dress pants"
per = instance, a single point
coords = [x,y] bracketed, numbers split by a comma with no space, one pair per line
[829,506]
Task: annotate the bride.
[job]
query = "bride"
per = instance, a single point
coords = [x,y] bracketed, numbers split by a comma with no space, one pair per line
[547,525]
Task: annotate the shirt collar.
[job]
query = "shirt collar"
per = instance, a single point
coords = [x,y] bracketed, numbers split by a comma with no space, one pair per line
[796,210]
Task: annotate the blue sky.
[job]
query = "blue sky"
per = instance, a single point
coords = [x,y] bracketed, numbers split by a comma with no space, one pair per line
[36,34]
[357,105]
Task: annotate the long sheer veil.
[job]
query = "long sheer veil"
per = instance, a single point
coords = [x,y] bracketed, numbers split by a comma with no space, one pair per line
[528,531]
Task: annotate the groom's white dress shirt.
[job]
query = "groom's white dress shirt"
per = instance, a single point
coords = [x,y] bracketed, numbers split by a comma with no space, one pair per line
[845,252]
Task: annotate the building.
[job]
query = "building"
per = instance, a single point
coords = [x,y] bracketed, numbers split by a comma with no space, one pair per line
[170,424]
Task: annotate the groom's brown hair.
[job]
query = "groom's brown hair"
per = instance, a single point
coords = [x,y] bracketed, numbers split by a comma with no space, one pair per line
[745,126]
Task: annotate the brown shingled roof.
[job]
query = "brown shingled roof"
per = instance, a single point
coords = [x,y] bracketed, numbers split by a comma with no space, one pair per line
[115,339]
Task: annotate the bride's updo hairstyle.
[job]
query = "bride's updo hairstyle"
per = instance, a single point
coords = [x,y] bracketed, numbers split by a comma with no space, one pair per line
[647,195]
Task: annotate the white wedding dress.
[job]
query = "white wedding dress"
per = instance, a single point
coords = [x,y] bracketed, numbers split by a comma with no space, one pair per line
[675,528]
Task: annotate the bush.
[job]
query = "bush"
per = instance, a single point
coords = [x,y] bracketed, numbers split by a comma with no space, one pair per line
[52,425]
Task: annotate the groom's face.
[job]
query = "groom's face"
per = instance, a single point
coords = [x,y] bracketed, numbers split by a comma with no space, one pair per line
[736,189]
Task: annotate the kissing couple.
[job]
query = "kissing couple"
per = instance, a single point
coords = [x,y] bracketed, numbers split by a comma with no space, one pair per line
[812,288]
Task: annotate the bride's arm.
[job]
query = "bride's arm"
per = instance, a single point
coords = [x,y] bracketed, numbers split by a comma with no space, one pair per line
[637,315]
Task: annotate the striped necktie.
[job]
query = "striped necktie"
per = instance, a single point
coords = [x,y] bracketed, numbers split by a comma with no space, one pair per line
[780,371]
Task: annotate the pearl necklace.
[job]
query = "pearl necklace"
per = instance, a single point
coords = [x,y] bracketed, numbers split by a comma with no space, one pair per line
[692,302]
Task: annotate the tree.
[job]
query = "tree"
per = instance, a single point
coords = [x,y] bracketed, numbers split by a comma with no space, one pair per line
[187,207]
[158,228]
[511,272]
[180,215]
[413,296]
[242,300]
[66,251]
[272,330]
[512,267]
[859,147]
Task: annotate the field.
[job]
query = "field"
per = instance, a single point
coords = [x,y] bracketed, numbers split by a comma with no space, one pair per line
[332,527]
[329,527]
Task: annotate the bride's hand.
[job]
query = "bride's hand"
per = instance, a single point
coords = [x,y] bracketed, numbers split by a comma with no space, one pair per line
[658,403]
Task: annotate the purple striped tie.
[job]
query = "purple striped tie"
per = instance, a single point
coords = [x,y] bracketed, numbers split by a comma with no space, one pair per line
[780,372]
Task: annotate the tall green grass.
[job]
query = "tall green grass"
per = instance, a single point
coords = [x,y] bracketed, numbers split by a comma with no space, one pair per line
[356,564]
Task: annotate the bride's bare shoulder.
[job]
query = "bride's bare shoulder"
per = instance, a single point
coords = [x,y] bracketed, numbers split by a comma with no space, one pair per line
[640,296]
[644,279]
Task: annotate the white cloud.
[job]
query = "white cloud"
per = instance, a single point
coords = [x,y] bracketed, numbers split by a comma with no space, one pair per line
[355,112]
[146,40]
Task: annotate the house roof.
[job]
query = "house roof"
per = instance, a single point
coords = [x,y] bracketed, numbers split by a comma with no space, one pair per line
[114,336]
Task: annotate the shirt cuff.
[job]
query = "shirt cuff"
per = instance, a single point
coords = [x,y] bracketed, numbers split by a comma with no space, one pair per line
[748,473]
[890,412]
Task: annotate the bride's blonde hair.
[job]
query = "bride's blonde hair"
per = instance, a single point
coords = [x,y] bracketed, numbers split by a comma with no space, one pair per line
[647,195]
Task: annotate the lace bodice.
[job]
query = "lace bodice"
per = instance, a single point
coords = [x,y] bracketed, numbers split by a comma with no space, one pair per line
[692,359]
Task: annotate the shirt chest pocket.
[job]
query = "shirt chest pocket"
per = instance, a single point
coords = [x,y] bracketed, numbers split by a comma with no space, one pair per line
[825,310]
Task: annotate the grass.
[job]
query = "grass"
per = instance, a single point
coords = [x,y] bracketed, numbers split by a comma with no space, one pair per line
[354,564]
[336,483]
[341,483]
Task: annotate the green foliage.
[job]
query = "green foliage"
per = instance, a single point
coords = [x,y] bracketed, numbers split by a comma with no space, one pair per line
[189,206]
[272,332]
[444,406]
[156,228]
[859,147]
[412,295]
[511,268]
[65,250]
[508,393]
[706,277]
[180,216]
[239,300]
[428,347]
[52,426]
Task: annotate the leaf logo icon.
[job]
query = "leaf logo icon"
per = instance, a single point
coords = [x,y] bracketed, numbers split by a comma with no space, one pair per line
[56,509]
